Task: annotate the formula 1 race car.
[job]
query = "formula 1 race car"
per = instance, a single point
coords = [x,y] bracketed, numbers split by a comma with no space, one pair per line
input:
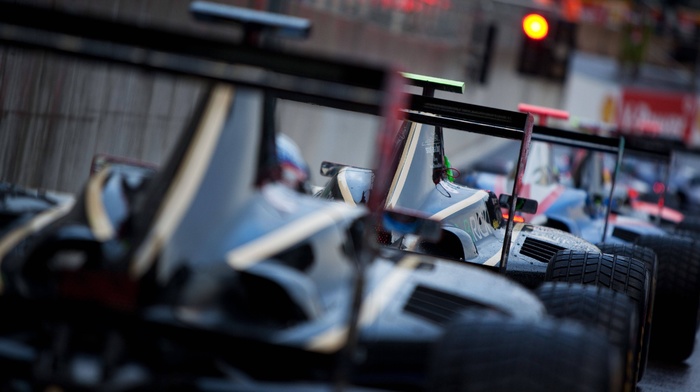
[591,208]
[216,276]
[474,229]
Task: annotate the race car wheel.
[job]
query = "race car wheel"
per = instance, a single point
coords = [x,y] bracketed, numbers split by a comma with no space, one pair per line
[612,312]
[620,273]
[486,351]
[675,316]
[648,257]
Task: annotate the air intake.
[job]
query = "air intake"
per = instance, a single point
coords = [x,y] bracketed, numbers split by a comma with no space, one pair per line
[437,306]
[539,250]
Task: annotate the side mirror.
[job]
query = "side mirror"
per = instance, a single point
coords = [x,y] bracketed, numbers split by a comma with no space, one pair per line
[527,206]
[407,223]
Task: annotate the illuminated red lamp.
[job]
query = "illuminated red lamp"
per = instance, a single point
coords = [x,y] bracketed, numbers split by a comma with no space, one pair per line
[535,26]
[516,218]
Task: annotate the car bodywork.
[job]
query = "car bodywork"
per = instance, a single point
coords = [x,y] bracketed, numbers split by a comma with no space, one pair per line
[475,228]
[194,267]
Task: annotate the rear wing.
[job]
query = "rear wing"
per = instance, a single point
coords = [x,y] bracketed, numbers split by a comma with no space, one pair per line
[460,115]
[254,21]
[469,117]
[614,145]
[653,147]
[657,148]
[481,120]
[288,75]
[661,150]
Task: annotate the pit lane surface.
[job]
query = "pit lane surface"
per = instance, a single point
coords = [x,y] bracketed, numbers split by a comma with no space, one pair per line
[684,377]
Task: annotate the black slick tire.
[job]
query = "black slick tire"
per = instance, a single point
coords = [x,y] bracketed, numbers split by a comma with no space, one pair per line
[484,351]
[648,257]
[609,311]
[677,303]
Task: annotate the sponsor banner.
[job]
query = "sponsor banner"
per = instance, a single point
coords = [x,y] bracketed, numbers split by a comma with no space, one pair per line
[673,112]
[592,99]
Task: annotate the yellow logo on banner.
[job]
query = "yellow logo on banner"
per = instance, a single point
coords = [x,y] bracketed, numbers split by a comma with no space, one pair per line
[608,109]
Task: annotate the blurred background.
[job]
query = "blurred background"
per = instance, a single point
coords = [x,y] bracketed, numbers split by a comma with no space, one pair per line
[618,62]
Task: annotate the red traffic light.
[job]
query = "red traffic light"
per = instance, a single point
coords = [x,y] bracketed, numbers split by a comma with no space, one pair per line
[535,26]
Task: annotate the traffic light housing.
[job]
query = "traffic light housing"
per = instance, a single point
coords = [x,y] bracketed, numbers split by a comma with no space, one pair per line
[480,51]
[547,43]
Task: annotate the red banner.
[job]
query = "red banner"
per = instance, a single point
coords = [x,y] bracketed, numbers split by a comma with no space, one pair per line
[674,113]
